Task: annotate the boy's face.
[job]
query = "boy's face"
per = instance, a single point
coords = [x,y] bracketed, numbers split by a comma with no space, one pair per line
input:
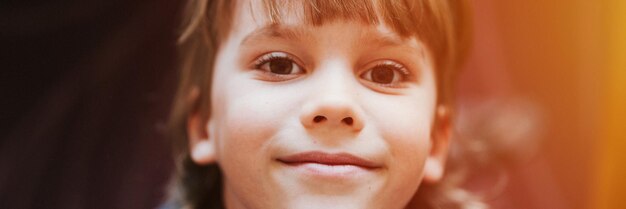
[334,116]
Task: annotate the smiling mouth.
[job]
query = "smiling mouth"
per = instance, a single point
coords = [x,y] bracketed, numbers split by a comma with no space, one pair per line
[319,159]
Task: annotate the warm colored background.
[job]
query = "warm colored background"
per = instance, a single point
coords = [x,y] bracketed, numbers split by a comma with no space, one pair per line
[550,54]
[609,182]
[86,87]
[567,57]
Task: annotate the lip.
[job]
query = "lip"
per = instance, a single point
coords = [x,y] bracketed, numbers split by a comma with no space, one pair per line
[328,159]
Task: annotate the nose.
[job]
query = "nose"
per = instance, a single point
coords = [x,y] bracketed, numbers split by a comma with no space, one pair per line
[334,105]
[331,114]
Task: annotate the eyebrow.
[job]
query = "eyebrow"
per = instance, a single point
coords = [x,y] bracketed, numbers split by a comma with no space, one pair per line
[393,40]
[277,31]
[385,40]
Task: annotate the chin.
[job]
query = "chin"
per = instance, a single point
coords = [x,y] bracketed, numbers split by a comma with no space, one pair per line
[331,202]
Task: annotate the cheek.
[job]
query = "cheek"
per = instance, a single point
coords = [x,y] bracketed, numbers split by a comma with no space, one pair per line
[405,125]
[248,115]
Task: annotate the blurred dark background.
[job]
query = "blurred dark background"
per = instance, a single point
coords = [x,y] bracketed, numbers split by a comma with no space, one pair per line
[85,94]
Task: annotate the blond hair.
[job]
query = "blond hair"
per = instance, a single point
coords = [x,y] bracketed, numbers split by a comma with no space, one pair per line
[440,24]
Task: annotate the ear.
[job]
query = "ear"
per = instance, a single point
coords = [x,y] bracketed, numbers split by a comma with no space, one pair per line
[440,139]
[201,147]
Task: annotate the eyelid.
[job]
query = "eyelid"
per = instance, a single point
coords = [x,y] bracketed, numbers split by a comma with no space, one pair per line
[384,62]
[405,74]
[395,65]
[403,69]
[265,74]
[266,57]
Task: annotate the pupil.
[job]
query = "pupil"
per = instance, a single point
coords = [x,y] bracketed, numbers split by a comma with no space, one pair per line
[280,66]
[382,75]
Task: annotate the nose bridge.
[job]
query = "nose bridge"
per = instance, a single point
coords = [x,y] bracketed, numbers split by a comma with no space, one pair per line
[336,81]
[334,103]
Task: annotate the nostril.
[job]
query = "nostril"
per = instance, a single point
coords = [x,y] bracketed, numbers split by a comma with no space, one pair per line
[348,121]
[319,119]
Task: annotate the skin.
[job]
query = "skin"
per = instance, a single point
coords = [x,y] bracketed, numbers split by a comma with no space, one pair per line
[259,116]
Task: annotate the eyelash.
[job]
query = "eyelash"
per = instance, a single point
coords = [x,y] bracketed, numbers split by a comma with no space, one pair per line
[395,66]
[264,59]
[405,74]
[275,56]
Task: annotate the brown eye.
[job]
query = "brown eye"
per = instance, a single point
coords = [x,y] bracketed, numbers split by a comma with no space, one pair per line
[382,75]
[281,66]
[278,63]
[387,73]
